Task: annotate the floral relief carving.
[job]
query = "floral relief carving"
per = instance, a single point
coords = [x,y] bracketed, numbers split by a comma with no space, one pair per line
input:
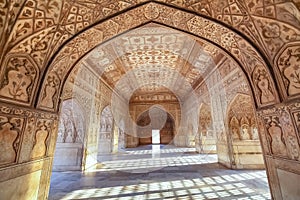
[51,87]
[289,67]
[18,79]
[34,17]
[9,12]
[36,45]
[151,11]
[10,136]
[275,137]
[282,136]
[275,34]
[290,135]
[41,138]
[262,82]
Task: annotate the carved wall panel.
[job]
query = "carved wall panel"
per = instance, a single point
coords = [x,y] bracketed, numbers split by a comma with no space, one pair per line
[41,138]
[106,137]
[72,123]
[205,120]
[10,138]
[282,138]
[241,118]
[234,125]
[275,137]
[262,83]
[18,79]
[26,134]
[288,64]
[9,10]
[106,120]
[295,110]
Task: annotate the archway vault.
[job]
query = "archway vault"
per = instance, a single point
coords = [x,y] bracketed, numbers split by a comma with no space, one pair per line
[235,45]
[42,42]
[201,25]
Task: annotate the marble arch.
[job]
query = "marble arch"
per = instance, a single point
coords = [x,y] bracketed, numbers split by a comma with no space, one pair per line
[53,35]
[145,126]
[241,107]
[105,138]
[257,71]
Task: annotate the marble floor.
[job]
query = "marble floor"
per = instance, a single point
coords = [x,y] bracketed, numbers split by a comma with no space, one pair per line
[160,172]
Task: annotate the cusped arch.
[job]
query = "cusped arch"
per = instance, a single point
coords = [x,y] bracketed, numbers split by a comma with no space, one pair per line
[72,117]
[205,118]
[240,117]
[215,32]
[145,126]
[163,108]
[106,119]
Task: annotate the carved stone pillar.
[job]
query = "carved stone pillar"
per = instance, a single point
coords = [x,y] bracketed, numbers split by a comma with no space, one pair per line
[27,143]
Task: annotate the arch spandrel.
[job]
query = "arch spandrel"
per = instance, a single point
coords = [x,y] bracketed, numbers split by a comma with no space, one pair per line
[70,17]
[19,79]
[231,42]
[288,69]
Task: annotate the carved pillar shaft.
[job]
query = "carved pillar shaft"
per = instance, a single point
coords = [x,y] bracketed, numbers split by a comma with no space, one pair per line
[27,143]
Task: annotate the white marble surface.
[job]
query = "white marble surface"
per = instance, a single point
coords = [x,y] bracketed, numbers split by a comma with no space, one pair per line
[178,173]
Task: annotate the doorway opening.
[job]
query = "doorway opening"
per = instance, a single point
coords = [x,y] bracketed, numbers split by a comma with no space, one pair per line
[155,136]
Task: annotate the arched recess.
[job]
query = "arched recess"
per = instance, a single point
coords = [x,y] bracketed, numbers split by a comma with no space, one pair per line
[106,134]
[205,138]
[144,129]
[71,137]
[285,116]
[235,45]
[243,135]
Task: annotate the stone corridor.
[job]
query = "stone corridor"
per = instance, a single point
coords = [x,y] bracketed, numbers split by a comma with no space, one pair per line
[160,172]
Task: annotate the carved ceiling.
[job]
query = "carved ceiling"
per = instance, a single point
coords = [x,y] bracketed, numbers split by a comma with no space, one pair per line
[151,58]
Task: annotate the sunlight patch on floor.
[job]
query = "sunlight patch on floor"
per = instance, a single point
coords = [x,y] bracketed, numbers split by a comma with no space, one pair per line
[199,188]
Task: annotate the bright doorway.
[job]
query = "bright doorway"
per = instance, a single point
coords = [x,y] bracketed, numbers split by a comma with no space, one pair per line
[155,136]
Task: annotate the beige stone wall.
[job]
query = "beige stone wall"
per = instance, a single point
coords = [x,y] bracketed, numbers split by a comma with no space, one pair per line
[227,124]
